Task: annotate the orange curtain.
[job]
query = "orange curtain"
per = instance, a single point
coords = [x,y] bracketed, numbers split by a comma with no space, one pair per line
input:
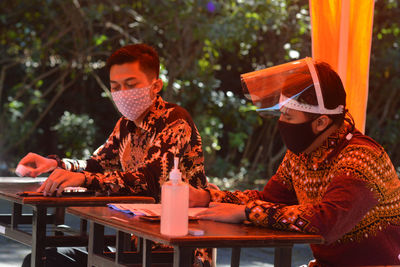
[341,36]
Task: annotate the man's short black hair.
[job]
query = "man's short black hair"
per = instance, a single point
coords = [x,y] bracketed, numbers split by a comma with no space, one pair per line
[333,92]
[146,55]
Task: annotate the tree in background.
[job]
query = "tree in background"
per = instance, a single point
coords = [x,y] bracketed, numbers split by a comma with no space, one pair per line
[383,114]
[53,61]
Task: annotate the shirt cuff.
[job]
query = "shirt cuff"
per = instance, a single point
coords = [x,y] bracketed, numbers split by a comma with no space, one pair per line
[88,178]
[257,212]
[215,195]
[56,158]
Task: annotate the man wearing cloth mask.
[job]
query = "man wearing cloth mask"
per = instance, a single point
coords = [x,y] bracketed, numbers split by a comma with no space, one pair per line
[333,181]
[139,154]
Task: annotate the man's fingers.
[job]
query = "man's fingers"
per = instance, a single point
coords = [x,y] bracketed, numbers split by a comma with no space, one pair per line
[29,160]
[41,169]
[194,203]
[58,179]
[208,212]
[215,204]
[51,183]
[201,213]
[35,172]
[23,171]
[25,160]
[41,187]
[213,186]
[30,165]
[47,187]
[60,189]
[54,186]
[210,217]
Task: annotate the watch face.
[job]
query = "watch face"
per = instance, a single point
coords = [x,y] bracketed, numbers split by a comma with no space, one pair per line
[75,189]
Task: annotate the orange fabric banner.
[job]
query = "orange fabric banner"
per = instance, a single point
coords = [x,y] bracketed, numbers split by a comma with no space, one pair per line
[341,36]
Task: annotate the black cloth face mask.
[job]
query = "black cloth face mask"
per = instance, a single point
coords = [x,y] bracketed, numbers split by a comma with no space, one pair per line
[298,137]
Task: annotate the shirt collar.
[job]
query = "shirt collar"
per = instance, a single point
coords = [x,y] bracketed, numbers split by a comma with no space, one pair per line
[155,113]
[328,147]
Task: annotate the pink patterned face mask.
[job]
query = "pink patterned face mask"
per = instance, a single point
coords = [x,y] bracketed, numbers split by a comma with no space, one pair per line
[133,102]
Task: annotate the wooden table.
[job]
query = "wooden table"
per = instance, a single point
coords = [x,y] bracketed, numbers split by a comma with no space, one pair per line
[216,235]
[35,234]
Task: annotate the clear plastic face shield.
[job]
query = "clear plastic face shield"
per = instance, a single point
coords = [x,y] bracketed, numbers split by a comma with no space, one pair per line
[294,85]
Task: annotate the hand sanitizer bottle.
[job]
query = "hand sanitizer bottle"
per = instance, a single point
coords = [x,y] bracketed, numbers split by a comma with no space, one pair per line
[174,204]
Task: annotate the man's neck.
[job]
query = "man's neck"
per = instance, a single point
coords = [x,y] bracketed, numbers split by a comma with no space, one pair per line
[321,139]
[139,120]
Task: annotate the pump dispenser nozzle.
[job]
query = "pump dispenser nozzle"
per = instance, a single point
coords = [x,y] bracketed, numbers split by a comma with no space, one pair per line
[176,162]
[175,175]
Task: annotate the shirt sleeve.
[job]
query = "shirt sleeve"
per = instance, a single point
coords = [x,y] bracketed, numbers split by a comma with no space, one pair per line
[349,196]
[278,189]
[172,141]
[105,158]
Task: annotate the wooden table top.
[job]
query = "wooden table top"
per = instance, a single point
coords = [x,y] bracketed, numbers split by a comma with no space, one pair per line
[216,234]
[10,186]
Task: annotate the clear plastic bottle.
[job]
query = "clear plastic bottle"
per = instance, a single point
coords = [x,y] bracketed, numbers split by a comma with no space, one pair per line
[174,204]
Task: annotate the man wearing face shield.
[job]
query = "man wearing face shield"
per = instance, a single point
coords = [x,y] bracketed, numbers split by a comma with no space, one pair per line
[333,180]
[139,154]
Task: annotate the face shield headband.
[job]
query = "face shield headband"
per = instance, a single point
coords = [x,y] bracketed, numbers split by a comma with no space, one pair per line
[283,86]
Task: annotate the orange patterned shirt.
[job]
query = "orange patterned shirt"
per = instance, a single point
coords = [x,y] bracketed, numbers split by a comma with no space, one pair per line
[137,160]
[346,190]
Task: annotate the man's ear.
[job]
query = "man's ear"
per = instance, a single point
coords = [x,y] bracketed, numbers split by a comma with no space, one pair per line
[156,88]
[321,123]
[158,85]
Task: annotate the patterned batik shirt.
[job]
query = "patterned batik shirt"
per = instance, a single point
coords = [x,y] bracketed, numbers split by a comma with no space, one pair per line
[347,190]
[137,160]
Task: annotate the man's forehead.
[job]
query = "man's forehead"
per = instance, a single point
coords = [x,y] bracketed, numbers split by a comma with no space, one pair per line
[285,110]
[126,74]
[124,79]
[289,111]
[131,71]
[130,67]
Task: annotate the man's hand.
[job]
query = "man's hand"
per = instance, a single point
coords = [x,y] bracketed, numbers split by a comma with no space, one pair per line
[213,186]
[33,165]
[224,212]
[59,179]
[198,197]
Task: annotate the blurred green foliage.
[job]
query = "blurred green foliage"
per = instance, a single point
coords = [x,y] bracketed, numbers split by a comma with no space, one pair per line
[54,87]
[75,135]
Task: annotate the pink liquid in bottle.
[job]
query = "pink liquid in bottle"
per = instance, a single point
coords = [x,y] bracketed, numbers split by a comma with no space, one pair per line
[174,204]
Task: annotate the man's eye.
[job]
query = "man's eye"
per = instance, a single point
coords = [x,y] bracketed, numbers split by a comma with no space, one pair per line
[130,86]
[115,88]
